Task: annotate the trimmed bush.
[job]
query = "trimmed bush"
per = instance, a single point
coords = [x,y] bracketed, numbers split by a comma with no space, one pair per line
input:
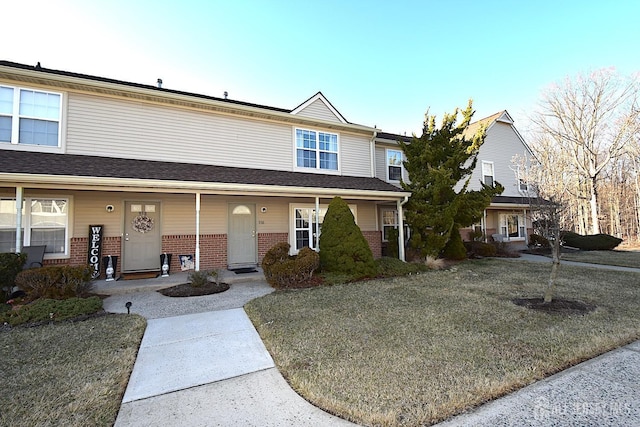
[10,265]
[285,272]
[201,277]
[343,248]
[55,282]
[480,249]
[538,241]
[393,267]
[591,242]
[44,310]
[454,249]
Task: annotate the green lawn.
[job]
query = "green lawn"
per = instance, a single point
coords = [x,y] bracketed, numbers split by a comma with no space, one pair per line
[621,258]
[419,349]
[68,374]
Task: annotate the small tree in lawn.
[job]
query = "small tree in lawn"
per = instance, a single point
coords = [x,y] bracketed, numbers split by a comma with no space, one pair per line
[343,248]
[439,164]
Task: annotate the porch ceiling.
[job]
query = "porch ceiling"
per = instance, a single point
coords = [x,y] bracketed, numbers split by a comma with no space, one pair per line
[92,172]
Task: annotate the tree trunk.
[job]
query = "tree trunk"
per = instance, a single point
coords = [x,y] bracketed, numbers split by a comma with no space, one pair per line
[551,286]
[595,227]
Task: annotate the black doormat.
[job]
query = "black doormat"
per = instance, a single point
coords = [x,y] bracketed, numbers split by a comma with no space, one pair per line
[244,270]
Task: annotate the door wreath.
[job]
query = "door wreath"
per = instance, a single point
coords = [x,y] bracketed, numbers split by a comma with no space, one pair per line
[142,223]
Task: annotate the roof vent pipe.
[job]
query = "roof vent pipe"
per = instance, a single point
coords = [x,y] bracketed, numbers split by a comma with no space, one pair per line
[160,83]
[226,94]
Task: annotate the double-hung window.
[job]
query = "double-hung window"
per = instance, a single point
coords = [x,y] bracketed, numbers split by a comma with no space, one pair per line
[487,173]
[44,222]
[523,187]
[30,117]
[304,225]
[389,222]
[512,226]
[394,165]
[316,149]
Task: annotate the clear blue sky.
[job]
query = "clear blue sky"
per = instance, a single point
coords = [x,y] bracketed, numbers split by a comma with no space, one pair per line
[380,63]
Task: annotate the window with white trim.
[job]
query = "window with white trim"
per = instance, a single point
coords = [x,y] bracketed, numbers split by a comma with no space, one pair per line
[394,165]
[304,225]
[487,173]
[512,226]
[316,149]
[44,222]
[389,222]
[30,117]
[522,182]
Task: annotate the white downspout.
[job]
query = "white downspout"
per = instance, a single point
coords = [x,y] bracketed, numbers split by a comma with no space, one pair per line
[197,231]
[399,205]
[19,196]
[372,153]
[317,228]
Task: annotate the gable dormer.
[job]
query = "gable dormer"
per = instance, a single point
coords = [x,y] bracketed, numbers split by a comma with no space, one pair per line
[318,107]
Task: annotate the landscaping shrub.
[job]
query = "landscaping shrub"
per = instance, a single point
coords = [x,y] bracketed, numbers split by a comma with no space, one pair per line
[392,243]
[343,248]
[454,249]
[44,310]
[393,267]
[538,241]
[591,242]
[10,265]
[56,281]
[504,251]
[480,249]
[283,271]
[201,277]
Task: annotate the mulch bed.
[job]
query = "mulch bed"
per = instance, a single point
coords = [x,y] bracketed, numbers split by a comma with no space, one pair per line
[556,306]
[187,290]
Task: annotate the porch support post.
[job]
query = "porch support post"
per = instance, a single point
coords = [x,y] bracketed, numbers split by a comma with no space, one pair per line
[317,226]
[19,196]
[197,231]
[399,204]
[484,226]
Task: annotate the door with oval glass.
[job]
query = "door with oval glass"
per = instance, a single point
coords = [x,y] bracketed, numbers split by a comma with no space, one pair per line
[242,245]
[142,243]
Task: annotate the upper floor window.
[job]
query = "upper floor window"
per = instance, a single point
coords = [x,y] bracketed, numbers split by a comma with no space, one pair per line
[522,181]
[316,150]
[394,165]
[29,117]
[487,173]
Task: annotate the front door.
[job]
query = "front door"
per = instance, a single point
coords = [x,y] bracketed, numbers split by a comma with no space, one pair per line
[142,240]
[242,243]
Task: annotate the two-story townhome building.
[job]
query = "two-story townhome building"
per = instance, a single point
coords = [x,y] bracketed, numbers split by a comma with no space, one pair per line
[506,219]
[165,171]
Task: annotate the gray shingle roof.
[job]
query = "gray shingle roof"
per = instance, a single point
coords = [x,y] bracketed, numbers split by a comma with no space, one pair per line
[21,162]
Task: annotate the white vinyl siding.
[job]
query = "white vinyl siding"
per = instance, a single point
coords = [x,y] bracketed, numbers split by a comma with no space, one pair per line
[318,110]
[130,129]
[355,152]
[500,146]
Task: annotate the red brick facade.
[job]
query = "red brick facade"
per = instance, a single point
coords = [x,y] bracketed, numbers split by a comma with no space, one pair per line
[213,248]
[375,242]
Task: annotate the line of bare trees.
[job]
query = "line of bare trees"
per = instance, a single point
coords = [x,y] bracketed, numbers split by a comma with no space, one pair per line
[586,139]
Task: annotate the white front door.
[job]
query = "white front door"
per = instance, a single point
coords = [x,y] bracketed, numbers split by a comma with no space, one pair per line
[142,243]
[242,245]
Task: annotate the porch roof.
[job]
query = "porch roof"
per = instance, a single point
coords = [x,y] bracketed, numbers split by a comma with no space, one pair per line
[46,168]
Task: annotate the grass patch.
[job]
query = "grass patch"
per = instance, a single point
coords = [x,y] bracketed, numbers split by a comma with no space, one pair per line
[419,349]
[620,258]
[71,374]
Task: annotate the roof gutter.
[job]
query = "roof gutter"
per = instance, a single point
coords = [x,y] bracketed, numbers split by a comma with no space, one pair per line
[154,185]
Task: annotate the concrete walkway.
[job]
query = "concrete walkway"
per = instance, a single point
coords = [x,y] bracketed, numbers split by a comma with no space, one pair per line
[202,363]
[205,366]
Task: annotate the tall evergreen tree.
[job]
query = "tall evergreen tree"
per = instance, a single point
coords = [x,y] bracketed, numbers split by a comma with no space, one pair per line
[439,164]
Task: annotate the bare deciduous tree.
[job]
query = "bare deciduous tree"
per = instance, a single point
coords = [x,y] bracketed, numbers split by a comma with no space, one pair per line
[591,119]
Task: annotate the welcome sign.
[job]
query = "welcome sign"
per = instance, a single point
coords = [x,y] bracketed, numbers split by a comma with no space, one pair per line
[95,249]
